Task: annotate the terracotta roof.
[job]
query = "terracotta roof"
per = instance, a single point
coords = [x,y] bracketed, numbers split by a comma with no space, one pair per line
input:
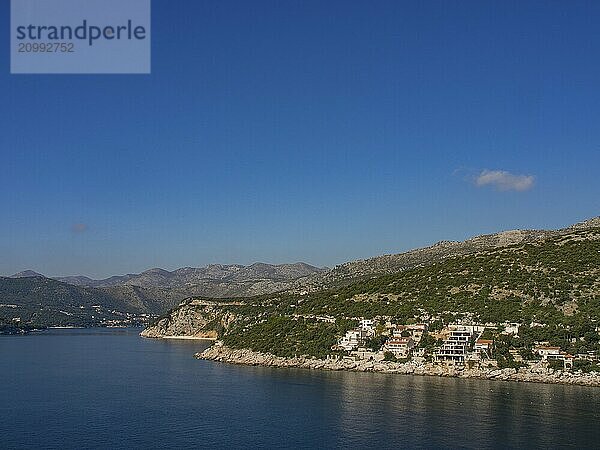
[484,341]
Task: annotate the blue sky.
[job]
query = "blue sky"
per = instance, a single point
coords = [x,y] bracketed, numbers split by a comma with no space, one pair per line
[304,131]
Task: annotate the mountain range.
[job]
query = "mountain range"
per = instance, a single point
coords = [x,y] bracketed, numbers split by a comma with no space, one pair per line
[31,298]
[154,291]
[185,276]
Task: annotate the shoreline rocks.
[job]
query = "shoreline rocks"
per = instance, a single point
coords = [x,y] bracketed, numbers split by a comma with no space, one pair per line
[155,333]
[221,353]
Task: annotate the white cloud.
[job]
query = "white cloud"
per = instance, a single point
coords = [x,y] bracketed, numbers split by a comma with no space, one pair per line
[504,181]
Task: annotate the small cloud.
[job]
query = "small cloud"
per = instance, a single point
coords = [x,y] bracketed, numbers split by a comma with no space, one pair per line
[79,227]
[504,181]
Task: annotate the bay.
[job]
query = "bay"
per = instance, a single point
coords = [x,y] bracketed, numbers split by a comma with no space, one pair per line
[109,388]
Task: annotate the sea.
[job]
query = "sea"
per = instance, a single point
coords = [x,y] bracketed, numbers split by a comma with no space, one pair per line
[112,389]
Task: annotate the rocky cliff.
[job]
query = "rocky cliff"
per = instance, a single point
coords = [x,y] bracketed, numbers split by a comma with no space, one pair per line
[193,318]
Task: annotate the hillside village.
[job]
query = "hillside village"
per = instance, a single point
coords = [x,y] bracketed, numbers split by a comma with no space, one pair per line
[471,345]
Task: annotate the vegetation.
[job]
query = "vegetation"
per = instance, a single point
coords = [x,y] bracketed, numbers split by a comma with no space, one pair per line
[285,336]
[37,302]
[551,288]
[586,366]
[389,356]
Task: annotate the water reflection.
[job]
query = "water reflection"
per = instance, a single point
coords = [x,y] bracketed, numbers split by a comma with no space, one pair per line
[105,389]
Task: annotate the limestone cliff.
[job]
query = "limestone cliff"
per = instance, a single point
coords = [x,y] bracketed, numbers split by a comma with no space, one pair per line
[193,318]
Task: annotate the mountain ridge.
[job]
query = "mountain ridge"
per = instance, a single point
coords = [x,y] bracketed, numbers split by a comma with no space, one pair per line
[225,280]
[153,276]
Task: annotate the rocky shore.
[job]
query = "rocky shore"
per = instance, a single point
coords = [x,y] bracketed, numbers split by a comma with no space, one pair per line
[152,332]
[536,374]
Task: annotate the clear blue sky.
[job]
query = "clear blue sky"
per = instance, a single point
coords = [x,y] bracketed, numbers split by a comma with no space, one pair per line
[304,131]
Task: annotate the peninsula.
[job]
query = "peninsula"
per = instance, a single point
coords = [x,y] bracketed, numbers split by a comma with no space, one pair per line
[521,305]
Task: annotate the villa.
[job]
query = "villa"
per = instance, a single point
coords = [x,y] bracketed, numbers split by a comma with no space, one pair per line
[483,346]
[455,347]
[353,339]
[399,347]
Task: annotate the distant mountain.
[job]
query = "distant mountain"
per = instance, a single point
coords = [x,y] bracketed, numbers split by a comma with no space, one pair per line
[30,299]
[30,302]
[81,280]
[26,274]
[156,290]
[187,276]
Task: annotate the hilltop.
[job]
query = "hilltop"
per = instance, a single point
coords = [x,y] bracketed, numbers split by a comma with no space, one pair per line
[435,253]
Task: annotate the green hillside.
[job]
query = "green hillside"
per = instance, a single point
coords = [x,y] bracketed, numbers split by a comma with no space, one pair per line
[551,287]
[38,302]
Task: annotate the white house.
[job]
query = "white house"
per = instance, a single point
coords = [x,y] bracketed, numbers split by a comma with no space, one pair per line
[455,347]
[353,339]
[548,352]
[554,354]
[400,347]
[511,328]
[483,346]
[366,324]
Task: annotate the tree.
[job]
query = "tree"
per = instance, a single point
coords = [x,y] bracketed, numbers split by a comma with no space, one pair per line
[389,356]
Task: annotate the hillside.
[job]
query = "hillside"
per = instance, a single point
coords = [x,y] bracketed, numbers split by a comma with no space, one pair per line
[549,283]
[28,299]
[38,302]
[393,263]
[418,283]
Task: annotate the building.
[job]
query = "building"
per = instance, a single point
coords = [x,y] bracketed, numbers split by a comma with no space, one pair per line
[400,332]
[511,328]
[568,361]
[516,356]
[352,339]
[548,352]
[415,331]
[400,347]
[366,324]
[483,347]
[589,356]
[457,344]
[554,354]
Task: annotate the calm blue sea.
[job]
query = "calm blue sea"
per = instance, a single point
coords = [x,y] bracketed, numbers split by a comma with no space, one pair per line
[110,389]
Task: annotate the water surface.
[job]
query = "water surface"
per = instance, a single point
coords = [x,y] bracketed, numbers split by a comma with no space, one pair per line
[109,388]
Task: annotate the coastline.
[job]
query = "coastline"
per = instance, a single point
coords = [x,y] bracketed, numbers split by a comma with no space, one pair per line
[221,353]
[153,334]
